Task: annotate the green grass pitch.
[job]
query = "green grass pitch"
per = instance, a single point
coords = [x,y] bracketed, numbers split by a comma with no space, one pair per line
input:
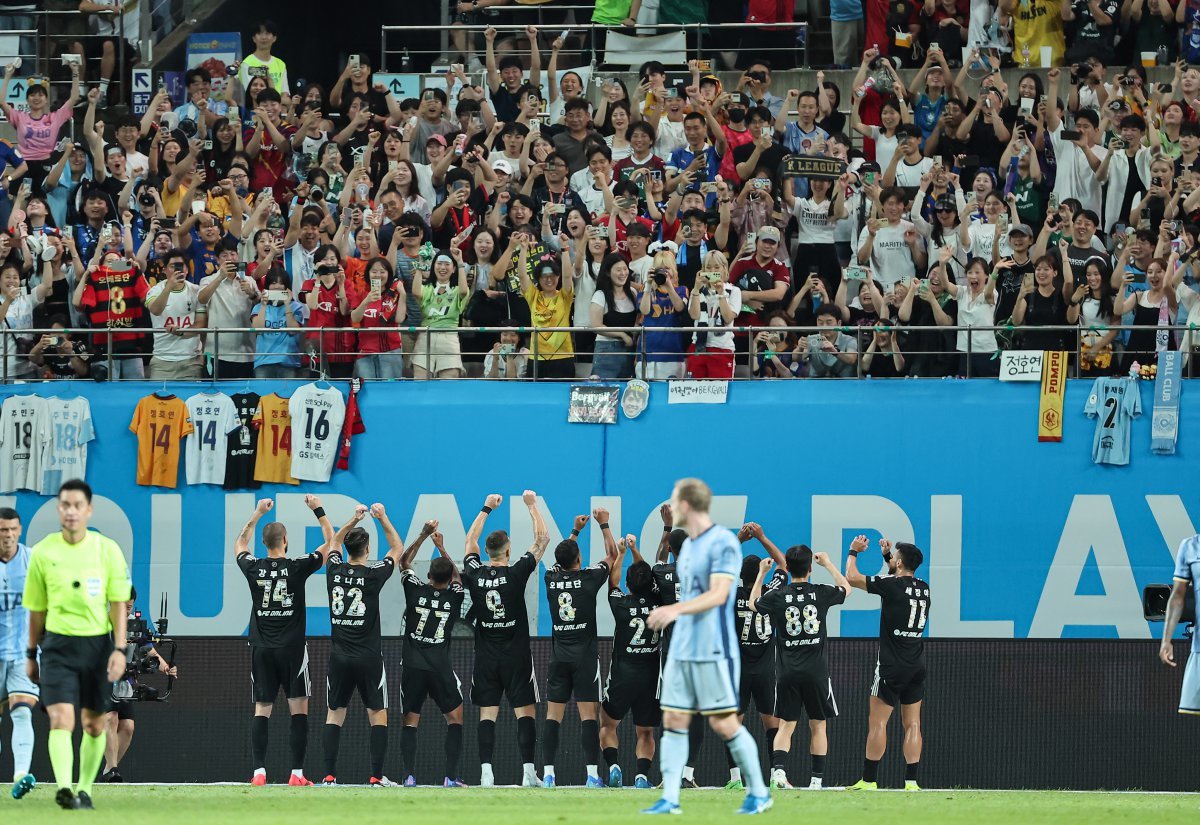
[232,805]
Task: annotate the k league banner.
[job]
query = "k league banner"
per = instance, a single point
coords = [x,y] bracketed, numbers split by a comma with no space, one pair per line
[1021,539]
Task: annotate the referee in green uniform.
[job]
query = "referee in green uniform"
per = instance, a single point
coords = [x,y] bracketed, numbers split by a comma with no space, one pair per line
[76,593]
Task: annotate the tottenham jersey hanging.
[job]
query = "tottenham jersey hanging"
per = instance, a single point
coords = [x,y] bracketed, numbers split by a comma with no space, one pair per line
[69,422]
[214,417]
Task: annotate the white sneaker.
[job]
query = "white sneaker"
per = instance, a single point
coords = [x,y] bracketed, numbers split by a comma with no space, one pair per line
[815,784]
[384,782]
[779,780]
[486,779]
[530,780]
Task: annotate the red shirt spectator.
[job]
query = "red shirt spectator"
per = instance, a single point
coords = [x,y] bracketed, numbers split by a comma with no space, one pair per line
[329,295]
[381,313]
[115,299]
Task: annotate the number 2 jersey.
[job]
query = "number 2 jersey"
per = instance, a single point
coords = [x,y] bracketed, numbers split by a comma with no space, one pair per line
[429,616]
[797,611]
[571,595]
[277,588]
[902,616]
[498,604]
[354,605]
[634,642]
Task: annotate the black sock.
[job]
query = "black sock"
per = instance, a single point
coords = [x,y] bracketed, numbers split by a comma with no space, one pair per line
[408,749]
[643,767]
[333,737]
[591,742]
[379,737]
[778,758]
[695,738]
[769,741]
[549,741]
[611,757]
[818,765]
[453,749]
[910,771]
[299,740]
[258,740]
[526,738]
[486,734]
[870,769]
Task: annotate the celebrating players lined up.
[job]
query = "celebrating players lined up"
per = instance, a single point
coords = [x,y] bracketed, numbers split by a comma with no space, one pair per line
[698,636]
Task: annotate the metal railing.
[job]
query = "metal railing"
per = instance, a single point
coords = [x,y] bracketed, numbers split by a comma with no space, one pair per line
[314,358]
[699,38]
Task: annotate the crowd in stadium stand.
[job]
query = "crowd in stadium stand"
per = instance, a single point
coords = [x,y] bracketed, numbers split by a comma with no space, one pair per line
[970,213]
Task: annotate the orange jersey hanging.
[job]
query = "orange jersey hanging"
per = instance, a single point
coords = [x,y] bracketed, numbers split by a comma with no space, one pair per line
[160,424]
[274,424]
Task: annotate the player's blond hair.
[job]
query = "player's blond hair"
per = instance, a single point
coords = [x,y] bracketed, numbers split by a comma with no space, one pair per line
[695,492]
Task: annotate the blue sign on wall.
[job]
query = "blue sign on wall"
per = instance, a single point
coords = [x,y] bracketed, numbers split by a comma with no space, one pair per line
[1021,539]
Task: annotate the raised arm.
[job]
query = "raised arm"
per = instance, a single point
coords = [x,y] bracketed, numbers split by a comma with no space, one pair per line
[395,543]
[853,577]
[476,529]
[427,529]
[541,535]
[244,539]
[314,504]
[838,579]
[664,544]
[614,569]
[755,531]
[756,589]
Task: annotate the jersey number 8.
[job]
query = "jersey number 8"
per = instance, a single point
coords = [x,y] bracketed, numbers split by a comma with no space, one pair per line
[566,608]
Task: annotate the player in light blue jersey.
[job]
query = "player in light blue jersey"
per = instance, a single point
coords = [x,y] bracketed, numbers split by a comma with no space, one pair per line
[1187,574]
[702,671]
[17,692]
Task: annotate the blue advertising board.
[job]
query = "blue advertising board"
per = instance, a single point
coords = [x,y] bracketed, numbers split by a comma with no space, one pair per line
[1021,539]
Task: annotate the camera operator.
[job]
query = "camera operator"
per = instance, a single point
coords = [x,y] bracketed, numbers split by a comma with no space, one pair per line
[121,721]
[58,355]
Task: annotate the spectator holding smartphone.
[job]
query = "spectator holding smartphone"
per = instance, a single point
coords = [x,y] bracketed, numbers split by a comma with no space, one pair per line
[714,304]
[16,313]
[507,358]
[277,354]
[830,352]
[227,297]
[439,352]
[328,305]
[772,354]
[172,303]
[112,293]
[37,130]
[261,62]
[382,305]
[613,304]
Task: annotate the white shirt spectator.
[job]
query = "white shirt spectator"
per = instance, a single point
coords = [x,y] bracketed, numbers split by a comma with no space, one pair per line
[710,316]
[179,313]
[891,258]
[909,175]
[813,225]
[975,312]
[670,137]
[20,316]
[1075,177]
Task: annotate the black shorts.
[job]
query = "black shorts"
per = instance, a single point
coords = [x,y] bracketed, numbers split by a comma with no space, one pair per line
[124,711]
[272,668]
[633,687]
[810,692]
[348,674]
[73,670]
[903,685]
[442,686]
[496,676]
[758,683]
[580,679]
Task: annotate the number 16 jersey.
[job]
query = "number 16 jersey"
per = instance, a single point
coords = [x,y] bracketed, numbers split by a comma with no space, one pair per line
[317,415]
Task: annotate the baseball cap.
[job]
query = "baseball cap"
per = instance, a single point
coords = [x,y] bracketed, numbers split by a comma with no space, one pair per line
[502,166]
[1021,229]
[946,202]
[436,139]
[710,78]
[768,233]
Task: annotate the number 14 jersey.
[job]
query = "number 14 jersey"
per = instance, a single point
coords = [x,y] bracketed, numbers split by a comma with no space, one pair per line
[213,418]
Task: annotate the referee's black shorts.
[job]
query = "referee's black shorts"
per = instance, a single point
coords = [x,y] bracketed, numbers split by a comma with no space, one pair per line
[365,674]
[74,671]
[272,668]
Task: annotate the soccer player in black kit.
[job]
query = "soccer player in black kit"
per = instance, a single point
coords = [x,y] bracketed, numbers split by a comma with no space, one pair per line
[632,684]
[503,658]
[900,670]
[356,652]
[797,611]
[574,670]
[431,609]
[278,654]
[754,642]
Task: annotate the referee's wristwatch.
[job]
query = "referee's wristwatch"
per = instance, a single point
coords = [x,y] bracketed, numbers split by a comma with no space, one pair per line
[31,652]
